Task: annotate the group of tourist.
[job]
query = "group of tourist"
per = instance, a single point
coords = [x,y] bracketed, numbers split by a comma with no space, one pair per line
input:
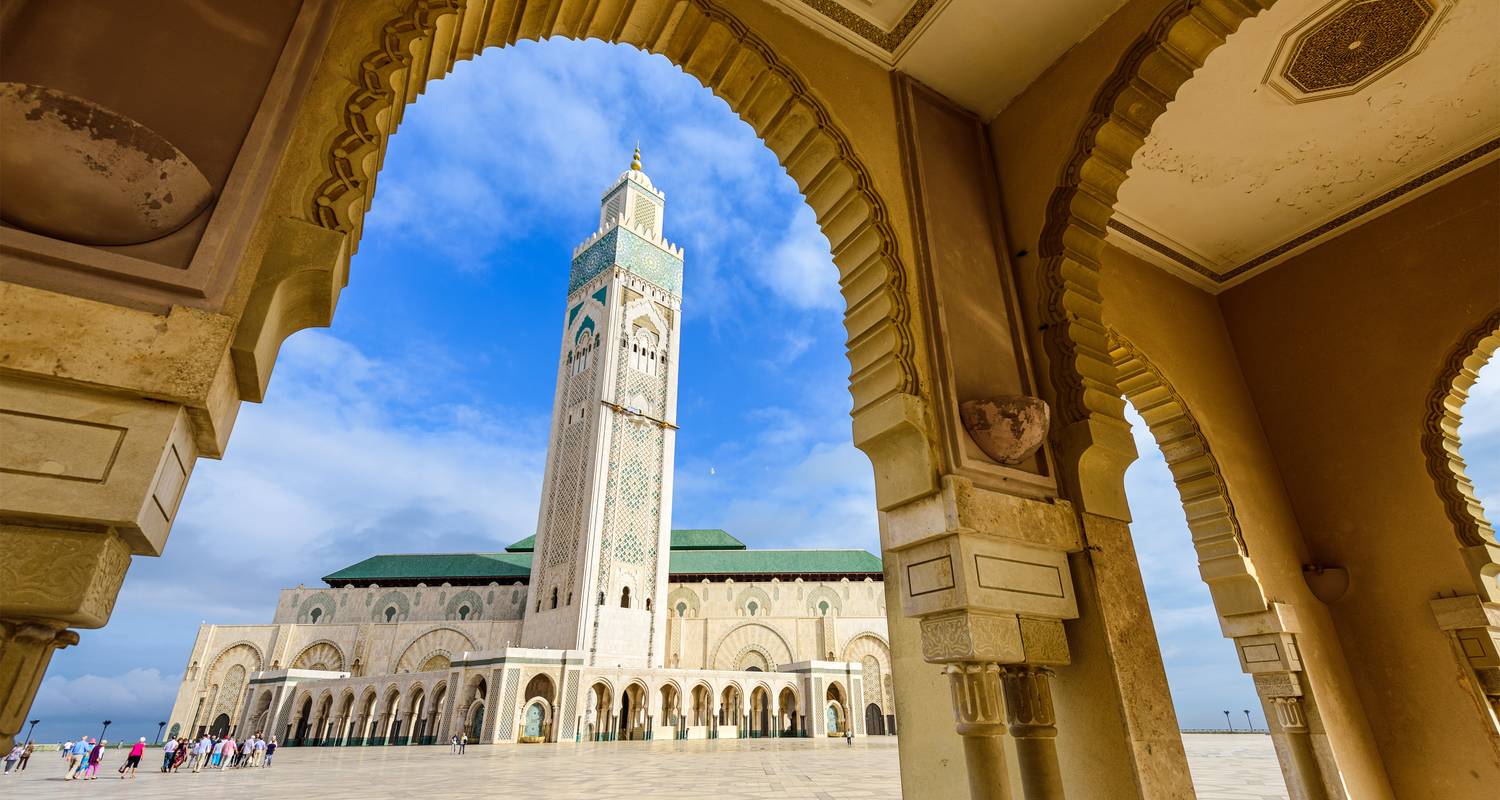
[222,752]
[84,756]
[16,759]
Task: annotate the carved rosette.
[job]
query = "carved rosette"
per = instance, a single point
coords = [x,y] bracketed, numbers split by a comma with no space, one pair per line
[977,698]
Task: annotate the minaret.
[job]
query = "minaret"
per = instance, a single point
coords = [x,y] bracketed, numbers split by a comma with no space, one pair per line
[599,570]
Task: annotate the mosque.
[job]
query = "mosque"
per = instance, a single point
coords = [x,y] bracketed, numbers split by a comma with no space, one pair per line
[607,624]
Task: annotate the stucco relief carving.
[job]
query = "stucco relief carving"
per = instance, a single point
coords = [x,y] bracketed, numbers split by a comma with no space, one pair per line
[753,636]
[63,575]
[324,655]
[965,636]
[442,641]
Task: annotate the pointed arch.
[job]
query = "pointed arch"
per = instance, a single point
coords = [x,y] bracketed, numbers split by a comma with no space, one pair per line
[1440,436]
[1121,115]
[1223,559]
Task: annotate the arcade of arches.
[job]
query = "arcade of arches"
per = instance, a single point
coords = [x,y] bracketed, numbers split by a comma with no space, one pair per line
[1274,226]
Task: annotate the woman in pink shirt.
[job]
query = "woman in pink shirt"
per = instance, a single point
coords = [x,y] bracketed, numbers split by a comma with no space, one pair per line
[229,751]
[134,759]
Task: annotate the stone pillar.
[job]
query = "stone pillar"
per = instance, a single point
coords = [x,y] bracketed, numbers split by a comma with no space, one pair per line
[1473,626]
[1028,706]
[989,577]
[1267,646]
[979,708]
[86,480]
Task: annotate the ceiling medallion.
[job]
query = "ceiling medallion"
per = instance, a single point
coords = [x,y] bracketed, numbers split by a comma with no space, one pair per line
[1349,44]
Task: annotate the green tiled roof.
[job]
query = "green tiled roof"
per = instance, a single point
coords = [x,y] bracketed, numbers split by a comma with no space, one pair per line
[772,562]
[434,568]
[692,539]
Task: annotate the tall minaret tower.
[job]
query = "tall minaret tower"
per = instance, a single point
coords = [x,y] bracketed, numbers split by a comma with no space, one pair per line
[599,571]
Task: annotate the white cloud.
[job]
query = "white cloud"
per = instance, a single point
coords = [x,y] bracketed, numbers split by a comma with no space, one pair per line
[1479,439]
[800,267]
[133,701]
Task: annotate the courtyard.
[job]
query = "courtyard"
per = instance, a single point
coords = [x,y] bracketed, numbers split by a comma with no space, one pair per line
[1225,767]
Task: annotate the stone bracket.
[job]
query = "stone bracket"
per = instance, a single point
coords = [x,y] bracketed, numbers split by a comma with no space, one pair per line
[967,636]
[1476,626]
[978,573]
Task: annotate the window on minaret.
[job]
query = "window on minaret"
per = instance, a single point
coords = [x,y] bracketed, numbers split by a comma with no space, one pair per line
[625,598]
[554,597]
[645,215]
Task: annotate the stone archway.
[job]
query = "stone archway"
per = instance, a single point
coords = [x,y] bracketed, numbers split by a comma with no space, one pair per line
[342,137]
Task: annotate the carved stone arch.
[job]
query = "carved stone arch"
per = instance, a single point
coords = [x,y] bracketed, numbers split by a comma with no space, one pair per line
[467,597]
[1440,443]
[683,595]
[872,643]
[1074,336]
[357,97]
[822,594]
[1211,520]
[323,602]
[1440,440]
[241,651]
[393,598]
[758,596]
[438,641]
[747,638]
[322,654]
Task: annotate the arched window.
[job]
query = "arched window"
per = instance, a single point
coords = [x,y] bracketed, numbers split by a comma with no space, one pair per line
[554,597]
[601,598]
[625,597]
[317,612]
[752,607]
[682,609]
[823,608]
[463,612]
[390,613]
[648,604]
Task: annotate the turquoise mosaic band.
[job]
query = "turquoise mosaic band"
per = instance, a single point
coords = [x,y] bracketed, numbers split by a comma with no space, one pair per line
[627,249]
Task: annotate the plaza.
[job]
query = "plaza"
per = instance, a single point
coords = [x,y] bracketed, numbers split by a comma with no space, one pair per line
[1224,767]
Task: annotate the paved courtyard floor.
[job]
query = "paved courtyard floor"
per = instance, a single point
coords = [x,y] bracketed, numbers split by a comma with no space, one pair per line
[1225,767]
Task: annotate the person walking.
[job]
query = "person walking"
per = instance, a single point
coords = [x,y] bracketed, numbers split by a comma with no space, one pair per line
[133,761]
[12,757]
[260,750]
[453,745]
[463,742]
[96,755]
[229,751]
[78,761]
[270,751]
[182,754]
[168,754]
[849,734]
[200,751]
[26,756]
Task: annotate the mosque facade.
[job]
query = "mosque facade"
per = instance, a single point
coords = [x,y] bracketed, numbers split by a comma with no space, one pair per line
[607,624]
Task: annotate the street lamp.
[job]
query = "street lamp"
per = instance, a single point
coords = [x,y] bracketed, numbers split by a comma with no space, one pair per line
[1248,722]
[1230,721]
[160,726]
[32,728]
[105,728]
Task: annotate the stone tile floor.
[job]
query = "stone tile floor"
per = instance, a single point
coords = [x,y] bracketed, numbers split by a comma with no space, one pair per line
[1224,767]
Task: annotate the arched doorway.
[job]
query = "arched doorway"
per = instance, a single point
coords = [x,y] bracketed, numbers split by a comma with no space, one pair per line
[760,712]
[220,726]
[599,720]
[670,714]
[788,723]
[835,710]
[874,721]
[634,711]
[538,702]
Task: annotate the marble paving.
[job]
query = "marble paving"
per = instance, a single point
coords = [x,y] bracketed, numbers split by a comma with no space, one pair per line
[1224,767]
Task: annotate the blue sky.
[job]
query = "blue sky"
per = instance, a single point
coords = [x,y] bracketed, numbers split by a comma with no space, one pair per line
[418,421]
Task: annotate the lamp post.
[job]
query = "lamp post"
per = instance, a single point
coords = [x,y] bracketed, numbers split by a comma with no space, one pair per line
[105,728]
[160,726]
[32,728]
[1229,721]
[1248,723]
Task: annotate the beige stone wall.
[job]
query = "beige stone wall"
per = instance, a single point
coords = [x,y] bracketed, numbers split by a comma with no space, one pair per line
[1369,319]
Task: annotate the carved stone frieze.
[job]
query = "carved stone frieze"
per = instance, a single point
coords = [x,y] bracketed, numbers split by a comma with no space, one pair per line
[67,576]
[969,636]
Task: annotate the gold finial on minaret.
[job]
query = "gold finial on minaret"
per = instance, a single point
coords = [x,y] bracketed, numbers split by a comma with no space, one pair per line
[635,162]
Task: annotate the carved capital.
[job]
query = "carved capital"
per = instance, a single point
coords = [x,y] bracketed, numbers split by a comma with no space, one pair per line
[1289,713]
[1271,685]
[26,647]
[978,706]
[1028,701]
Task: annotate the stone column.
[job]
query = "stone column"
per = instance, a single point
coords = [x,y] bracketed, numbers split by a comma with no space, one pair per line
[1267,646]
[1473,626]
[87,479]
[991,587]
[979,708]
[1028,706]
